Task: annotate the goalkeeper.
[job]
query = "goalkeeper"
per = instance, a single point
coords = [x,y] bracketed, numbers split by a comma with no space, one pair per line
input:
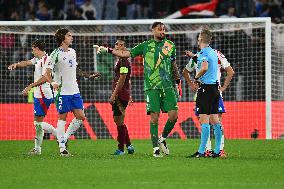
[161,74]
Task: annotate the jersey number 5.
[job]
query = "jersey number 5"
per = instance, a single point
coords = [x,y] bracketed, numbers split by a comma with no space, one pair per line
[71,63]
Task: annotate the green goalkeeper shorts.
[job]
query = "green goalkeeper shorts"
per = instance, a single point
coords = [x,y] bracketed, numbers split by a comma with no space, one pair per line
[160,99]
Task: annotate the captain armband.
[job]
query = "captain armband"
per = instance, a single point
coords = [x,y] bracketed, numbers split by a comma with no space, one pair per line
[123,70]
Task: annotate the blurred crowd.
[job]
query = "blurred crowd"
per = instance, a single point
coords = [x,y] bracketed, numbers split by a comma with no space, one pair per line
[131,9]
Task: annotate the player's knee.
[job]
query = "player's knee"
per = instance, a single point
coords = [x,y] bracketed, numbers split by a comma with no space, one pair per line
[154,120]
[83,118]
[118,122]
[173,117]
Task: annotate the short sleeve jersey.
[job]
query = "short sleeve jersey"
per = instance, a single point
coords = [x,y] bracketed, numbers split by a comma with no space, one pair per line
[208,55]
[158,57]
[44,90]
[64,65]
[222,64]
[122,66]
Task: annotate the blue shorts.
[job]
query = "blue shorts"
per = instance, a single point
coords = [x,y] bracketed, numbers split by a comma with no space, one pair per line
[221,108]
[41,106]
[67,103]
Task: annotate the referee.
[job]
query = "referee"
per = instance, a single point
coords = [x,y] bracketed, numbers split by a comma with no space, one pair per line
[208,93]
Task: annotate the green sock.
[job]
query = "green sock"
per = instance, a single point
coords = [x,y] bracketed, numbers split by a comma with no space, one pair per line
[154,134]
[168,128]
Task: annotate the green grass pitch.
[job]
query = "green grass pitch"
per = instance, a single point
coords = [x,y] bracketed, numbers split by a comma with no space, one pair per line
[250,164]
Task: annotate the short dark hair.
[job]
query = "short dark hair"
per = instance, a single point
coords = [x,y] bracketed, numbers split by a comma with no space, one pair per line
[60,35]
[120,39]
[39,44]
[155,24]
[206,35]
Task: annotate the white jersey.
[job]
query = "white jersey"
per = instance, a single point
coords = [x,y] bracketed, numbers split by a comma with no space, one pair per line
[64,67]
[222,63]
[44,90]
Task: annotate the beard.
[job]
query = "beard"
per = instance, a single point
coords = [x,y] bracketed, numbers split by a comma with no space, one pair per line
[161,37]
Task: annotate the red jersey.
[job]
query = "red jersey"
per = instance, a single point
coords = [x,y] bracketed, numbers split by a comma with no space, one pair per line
[122,66]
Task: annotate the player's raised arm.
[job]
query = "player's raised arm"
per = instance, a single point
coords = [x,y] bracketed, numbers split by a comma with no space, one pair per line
[20,64]
[120,53]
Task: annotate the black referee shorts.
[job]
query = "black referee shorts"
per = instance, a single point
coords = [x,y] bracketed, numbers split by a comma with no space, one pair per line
[207,100]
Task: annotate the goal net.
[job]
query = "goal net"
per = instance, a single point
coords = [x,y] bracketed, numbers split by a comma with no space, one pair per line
[253,101]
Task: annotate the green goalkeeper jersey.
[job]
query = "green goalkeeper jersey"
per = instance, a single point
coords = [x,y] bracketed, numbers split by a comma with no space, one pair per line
[158,58]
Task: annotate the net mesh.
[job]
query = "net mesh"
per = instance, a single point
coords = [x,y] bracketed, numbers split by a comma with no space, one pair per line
[277,83]
[243,44]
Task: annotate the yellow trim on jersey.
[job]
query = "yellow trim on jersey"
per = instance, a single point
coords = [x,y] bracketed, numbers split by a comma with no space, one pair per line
[123,70]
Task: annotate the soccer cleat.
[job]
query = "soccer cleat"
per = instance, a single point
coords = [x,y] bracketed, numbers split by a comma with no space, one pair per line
[130,149]
[65,153]
[66,144]
[118,152]
[221,154]
[34,152]
[196,155]
[163,146]
[208,153]
[157,152]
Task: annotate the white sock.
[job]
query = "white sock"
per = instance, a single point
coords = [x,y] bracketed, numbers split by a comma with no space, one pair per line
[161,138]
[222,143]
[73,127]
[39,135]
[48,128]
[60,130]
[208,144]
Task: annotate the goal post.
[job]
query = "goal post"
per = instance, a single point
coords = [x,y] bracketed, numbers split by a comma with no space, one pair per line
[252,109]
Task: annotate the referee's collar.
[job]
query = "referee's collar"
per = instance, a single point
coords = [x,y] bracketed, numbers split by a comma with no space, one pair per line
[204,48]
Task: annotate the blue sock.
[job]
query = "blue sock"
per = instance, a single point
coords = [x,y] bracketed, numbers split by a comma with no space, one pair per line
[205,132]
[218,132]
